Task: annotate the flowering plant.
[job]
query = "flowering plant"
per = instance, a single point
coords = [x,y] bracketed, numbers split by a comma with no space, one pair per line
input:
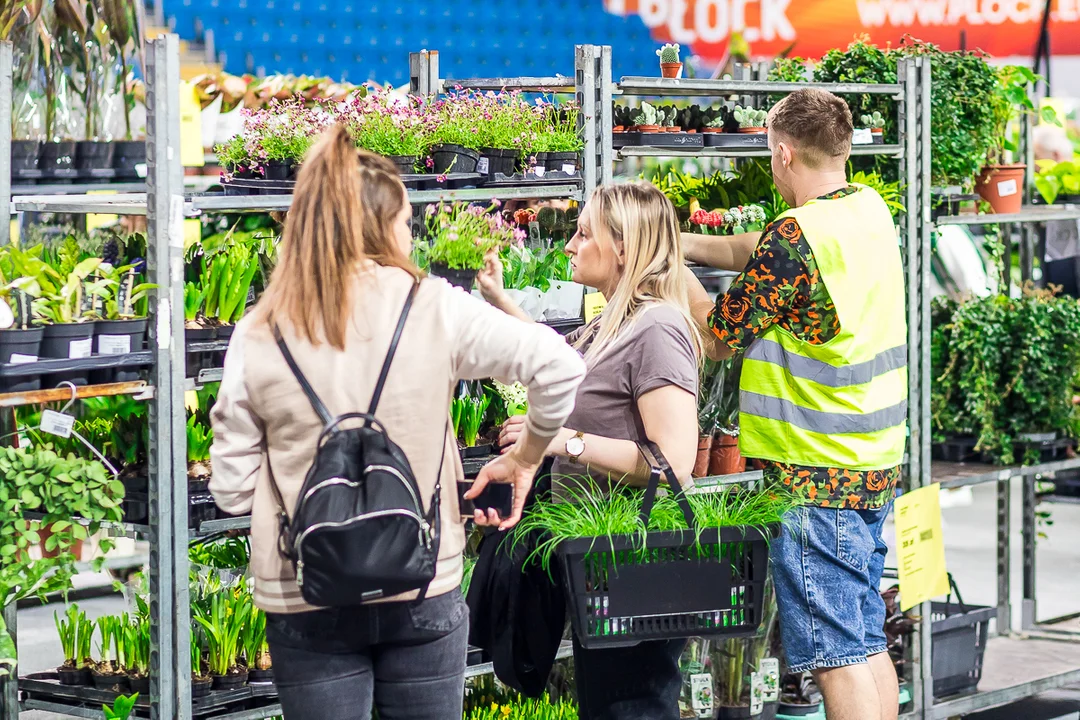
[515,397]
[710,223]
[744,219]
[285,130]
[461,235]
[558,130]
[387,124]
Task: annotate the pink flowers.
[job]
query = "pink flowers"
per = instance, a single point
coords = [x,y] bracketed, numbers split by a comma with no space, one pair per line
[707,219]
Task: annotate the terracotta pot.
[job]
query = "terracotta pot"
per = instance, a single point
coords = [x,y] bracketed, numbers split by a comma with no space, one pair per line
[712,131]
[618,128]
[725,458]
[753,131]
[673,129]
[877,131]
[670,70]
[649,128]
[701,463]
[46,533]
[1002,186]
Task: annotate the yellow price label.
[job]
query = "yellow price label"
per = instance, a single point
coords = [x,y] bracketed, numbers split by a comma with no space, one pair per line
[594,305]
[191,400]
[192,233]
[95,221]
[920,547]
[191,149]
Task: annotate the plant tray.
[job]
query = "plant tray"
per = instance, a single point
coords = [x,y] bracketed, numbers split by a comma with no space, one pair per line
[543,177]
[1067,483]
[27,176]
[1049,450]
[49,366]
[46,686]
[959,643]
[678,586]
[659,139]
[742,140]
[958,450]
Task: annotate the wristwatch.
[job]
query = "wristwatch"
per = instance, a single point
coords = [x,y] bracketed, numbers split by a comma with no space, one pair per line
[575,446]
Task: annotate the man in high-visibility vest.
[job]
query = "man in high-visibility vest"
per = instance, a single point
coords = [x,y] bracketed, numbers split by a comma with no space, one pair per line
[819,314]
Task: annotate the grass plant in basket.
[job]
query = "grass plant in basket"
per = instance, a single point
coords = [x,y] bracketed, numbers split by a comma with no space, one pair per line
[619,572]
[461,235]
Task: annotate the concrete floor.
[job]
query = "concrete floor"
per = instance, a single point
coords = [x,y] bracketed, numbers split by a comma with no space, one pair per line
[970,537]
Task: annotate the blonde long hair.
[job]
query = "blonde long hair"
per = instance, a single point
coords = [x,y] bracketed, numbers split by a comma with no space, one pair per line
[343,212]
[640,219]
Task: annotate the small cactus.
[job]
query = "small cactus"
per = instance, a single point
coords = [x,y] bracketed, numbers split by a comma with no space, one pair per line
[717,122]
[749,117]
[669,53]
[667,116]
[647,115]
[875,121]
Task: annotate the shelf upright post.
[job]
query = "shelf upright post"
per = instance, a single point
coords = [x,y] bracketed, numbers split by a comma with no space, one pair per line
[424,72]
[170,686]
[590,77]
[7,63]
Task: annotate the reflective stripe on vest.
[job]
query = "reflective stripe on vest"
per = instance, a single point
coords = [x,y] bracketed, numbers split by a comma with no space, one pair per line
[842,403]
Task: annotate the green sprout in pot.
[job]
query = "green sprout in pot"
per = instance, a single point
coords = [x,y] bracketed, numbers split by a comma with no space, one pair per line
[137,642]
[470,412]
[199,439]
[749,118]
[64,304]
[874,121]
[223,623]
[108,664]
[124,297]
[194,297]
[253,640]
[121,708]
[228,278]
[76,633]
[196,652]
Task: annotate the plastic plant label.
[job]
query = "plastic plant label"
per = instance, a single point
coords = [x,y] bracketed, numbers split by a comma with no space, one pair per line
[569,168]
[78,349]
[770,678]
[862,136]
[20,359]
[140,169]
[482,166]
[534,232]
[757,701]
[920,547]
[701,697]
[1007,188]
[539,170]
[114,344]
[21,308]
[594,304]
[56,423]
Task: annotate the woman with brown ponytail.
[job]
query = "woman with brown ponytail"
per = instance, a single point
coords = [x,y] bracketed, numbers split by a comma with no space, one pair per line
[342,279]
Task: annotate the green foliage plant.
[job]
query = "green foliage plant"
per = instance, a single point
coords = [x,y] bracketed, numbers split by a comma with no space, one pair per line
[1054,179]
[121,708]
[749,117]
[69,629]
[470,413]
[223,622]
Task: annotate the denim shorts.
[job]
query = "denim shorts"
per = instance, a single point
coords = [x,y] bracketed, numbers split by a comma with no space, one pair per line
[827,567]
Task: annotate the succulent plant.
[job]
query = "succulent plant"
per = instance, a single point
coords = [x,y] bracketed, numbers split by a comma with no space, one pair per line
[647,115]
[716,122]
[875,121]
[749,117]
[669,53]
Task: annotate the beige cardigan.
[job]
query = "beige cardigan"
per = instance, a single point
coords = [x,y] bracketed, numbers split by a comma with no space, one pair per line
[449,336]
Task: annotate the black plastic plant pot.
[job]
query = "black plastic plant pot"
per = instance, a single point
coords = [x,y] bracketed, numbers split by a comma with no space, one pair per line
[117,683]
[478,451]
[127,154]
[68,341]
[454,158]
[406,164]
[793,710]
[232,681]
[25,154]
[224,332]
[279,169]
[200,687]
[561,161]
[20,346]
[498,160]
[57,156]
[261,676]
[74,676]
[463,279]
[93,155]
[119,337]
[140,684]
[136,506]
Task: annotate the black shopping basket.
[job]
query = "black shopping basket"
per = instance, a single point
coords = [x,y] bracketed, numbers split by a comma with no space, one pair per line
[683,584]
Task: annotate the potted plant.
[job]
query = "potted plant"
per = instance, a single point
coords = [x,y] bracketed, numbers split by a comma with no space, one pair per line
[1055,181]
[222,623]
[670,65]
[875,122]
[716,125]
[136,637]
[228,276]
[725,458]
[385,124]
[121,708]
[467,414]
[121,324]
[455,142]
[76,633]
[744,219]
[735,661]
[557,144]
[799,696]
[256,649]
[1001,183]
[201,682]
[20,343]
[107,672]
[647,118]
[461,236]
[751,120]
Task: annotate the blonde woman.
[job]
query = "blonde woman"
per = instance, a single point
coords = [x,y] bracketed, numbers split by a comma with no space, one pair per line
[342,279]
[642,356]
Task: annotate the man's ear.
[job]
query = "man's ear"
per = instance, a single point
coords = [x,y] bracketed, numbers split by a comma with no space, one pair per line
[786,154]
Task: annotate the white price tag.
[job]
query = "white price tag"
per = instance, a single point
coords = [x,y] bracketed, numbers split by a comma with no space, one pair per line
[114,344]
[569,168]
[482,166]
[770,678]
[57,423]
[19,359]
[1007,188]
[757,703]
[140,170]
[80,348]
[701,694]
[539,170]
[862,136]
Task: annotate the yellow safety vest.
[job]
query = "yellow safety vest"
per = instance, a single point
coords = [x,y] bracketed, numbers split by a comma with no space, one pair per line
[844,403]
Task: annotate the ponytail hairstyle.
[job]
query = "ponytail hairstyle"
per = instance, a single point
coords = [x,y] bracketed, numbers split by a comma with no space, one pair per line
[640,220]
[343,211]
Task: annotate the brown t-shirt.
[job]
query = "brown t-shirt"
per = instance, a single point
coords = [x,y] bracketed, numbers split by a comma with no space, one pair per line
[656,352]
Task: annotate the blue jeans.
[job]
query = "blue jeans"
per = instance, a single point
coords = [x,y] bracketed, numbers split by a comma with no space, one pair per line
[827,567]
[407,659]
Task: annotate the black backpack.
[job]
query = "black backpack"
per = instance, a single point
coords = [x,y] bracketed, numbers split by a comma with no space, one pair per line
[360,531]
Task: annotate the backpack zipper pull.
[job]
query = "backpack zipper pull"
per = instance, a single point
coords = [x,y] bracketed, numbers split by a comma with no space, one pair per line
[425,529]
[300,573]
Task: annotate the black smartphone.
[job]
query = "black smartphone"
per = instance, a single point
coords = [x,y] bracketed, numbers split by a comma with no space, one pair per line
[496,496]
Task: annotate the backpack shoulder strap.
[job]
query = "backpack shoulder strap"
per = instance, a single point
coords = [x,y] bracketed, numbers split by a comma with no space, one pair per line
[393,348]
[316,403]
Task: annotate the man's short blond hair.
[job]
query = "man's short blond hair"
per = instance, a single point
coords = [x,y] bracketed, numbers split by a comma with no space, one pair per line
[817,123]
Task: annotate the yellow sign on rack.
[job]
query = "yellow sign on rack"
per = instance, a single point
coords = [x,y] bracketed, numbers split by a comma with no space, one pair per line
[595,303]
[191,149]
[94,221]
[920,548]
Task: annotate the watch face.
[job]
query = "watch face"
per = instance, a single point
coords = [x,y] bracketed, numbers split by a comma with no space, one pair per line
[575,446]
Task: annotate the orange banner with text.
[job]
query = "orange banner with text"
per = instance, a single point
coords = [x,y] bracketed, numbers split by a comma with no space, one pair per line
[999,27]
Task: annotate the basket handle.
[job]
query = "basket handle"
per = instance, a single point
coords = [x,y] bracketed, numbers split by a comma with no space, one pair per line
[659,466]
[954,590]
